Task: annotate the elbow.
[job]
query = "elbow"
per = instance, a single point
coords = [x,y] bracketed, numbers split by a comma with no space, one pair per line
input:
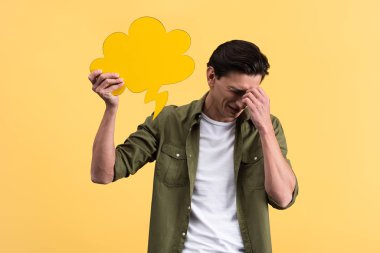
[100,181]
[285,201]
[101,178]
[280,200]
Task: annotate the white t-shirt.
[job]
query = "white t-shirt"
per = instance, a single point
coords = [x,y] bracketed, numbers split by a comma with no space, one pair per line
[213,224]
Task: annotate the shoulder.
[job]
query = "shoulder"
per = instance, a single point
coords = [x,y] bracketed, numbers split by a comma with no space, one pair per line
[277,126]
[280,134]
[171,115]
[179,113]
[275,121]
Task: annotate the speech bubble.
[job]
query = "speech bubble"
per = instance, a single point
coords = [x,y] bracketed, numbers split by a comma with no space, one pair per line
[147,58]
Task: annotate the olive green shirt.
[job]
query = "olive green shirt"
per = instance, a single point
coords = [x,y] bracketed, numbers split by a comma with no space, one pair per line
[172,140]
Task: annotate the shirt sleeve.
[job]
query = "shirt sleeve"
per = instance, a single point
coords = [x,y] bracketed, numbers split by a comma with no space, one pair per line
[138,149]
[280,135]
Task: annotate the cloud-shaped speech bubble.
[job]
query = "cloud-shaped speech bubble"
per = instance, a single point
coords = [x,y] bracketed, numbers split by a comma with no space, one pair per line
[147,58]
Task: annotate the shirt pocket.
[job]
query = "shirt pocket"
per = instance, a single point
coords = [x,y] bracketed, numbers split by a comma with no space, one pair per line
[172,166]
[252,170]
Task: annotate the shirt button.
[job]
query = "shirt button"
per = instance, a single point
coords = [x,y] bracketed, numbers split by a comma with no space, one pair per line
[255,158]
[190,155]
[183,234]
[189,207]
[177,155]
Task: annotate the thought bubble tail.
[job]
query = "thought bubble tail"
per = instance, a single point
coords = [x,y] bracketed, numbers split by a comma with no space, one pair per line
[161,99]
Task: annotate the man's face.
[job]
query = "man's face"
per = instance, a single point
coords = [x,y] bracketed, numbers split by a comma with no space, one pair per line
[225,95]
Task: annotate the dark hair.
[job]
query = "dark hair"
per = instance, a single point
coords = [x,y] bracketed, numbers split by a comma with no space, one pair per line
[240,56]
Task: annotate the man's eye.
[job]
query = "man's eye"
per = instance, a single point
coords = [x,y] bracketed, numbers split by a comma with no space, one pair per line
[238,92]
[234,91]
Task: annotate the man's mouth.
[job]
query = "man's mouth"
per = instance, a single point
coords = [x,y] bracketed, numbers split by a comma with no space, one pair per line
[233,109]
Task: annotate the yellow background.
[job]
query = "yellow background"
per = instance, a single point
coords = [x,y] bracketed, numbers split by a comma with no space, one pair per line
[323,85]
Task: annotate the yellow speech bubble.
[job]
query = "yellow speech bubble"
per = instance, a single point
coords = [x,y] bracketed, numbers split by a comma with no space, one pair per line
[147,58]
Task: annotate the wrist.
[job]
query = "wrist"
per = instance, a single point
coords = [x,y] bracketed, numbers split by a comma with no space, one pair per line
[111,108]
[267,130]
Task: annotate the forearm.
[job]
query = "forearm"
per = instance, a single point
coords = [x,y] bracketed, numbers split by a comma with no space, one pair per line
[103,151]
[279,177]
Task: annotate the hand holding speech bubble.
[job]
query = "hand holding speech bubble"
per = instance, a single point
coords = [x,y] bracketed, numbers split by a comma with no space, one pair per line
[147,58]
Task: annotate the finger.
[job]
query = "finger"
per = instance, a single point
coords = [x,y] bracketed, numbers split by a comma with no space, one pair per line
[93,75]
[108,82]
[257,103]
[257,95]
[262,92]
[114,87]
[252,97]
[103,77]
[249,103]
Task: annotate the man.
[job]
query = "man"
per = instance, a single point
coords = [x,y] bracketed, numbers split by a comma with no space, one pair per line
[219,160]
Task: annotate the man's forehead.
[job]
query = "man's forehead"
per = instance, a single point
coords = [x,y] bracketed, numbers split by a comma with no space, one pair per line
[242,82]
[241,86]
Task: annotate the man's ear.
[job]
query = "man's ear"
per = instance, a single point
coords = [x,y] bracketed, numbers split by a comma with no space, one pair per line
[210,74]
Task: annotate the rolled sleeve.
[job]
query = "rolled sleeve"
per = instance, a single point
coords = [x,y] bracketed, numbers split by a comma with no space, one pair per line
[280,136]
[138,149]
[275,205]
